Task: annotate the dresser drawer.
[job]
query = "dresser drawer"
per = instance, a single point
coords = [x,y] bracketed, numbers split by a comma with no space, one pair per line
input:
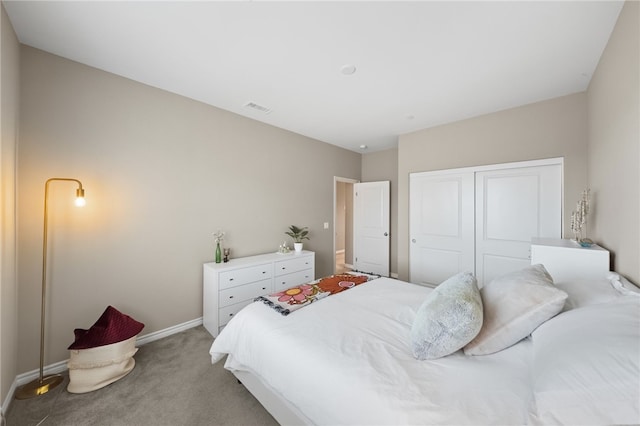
[245,275]
[225,314]
[228,287]
[284,282]
[293,265]
[243,292]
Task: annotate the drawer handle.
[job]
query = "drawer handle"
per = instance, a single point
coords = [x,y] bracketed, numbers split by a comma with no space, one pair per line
[230,279]
[230,315]
[264,288]
[264,272]
[230,297]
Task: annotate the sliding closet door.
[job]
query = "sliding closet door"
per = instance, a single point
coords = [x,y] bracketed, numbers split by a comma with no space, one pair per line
[512,206]
[441,226]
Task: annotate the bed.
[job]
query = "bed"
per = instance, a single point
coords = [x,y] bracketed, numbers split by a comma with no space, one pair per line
[348,360]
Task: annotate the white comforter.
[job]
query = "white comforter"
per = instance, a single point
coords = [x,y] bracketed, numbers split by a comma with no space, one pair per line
[346,360]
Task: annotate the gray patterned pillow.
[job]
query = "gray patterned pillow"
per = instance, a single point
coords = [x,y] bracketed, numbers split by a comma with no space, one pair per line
[448,319]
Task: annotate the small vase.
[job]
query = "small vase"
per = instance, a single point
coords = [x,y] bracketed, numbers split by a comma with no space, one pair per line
[297,247]
[218,253]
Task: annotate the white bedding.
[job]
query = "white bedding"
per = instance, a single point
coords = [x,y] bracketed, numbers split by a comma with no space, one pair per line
[347,360]
[350,354]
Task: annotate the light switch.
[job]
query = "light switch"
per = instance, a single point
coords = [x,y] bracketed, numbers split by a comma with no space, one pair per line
[326,225]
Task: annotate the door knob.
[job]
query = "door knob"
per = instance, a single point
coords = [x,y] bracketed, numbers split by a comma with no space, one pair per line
[386,234]
[413,240]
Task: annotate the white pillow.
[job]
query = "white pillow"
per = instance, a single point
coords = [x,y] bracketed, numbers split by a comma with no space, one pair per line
[586,365]
[623,285]
[583,292]
[448,318]
[514,305]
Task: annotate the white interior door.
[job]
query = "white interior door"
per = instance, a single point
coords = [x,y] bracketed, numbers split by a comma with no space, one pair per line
[513,206]
[371,227]
[441,226]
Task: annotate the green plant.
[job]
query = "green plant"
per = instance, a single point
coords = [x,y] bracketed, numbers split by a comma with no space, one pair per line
[298,234]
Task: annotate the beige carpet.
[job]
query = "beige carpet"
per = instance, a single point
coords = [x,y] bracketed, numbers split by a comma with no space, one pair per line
[173,383]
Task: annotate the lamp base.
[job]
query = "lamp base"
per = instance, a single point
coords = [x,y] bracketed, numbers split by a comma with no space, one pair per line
[39,387]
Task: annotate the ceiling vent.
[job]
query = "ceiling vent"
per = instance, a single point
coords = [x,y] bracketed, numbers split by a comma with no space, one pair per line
[257,107]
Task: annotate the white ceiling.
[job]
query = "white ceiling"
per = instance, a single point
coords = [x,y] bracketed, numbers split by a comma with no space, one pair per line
[418,64]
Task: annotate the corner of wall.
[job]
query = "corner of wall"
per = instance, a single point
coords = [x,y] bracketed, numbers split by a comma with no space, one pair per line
[9,119]
[613,148]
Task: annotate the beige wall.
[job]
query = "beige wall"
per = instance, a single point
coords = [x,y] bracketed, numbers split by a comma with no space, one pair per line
[553,128]
[614,140]
[381,166]
[10,96]
[161,173]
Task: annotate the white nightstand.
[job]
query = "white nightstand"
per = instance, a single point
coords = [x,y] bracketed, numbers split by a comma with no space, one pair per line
[567,260]
[229,287]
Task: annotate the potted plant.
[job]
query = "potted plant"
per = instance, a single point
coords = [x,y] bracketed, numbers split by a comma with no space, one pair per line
[298,234]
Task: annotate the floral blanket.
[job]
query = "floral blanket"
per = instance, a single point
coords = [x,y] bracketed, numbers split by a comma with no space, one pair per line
[297,297]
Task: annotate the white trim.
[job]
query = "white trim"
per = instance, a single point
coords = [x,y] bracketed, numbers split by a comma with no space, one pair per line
[8,399]
[337,179]
[61,366]
[340,251]
[489,167]
[157,335]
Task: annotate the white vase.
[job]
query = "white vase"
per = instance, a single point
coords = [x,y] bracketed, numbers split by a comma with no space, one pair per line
[297,247]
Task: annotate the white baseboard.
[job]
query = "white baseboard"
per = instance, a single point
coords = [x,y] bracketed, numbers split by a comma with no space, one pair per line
[348,265]
[157,335]
[61,366]
[8,399]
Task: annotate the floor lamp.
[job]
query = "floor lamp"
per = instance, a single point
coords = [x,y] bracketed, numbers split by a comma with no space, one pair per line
[44,384]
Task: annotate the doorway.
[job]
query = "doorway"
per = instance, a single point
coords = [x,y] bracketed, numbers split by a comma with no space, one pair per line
[343,224]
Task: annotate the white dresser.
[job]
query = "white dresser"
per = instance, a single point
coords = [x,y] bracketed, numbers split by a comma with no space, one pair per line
[566,259]
[229,287]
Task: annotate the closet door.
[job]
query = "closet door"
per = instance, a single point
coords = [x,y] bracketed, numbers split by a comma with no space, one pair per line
[512,206]
[441,226]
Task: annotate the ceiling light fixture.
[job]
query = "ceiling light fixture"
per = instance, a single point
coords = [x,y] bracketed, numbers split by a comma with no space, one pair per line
[348,69]
[363,146]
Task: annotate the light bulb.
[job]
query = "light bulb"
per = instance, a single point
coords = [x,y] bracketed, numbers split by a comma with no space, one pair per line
[80,201]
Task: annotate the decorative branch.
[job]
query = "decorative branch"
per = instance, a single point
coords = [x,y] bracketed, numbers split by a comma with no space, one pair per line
[579,215]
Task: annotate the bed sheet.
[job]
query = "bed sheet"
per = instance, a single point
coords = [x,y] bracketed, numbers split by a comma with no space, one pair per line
[347,360]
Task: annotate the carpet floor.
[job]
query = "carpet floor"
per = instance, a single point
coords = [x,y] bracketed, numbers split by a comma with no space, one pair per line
[173,383]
